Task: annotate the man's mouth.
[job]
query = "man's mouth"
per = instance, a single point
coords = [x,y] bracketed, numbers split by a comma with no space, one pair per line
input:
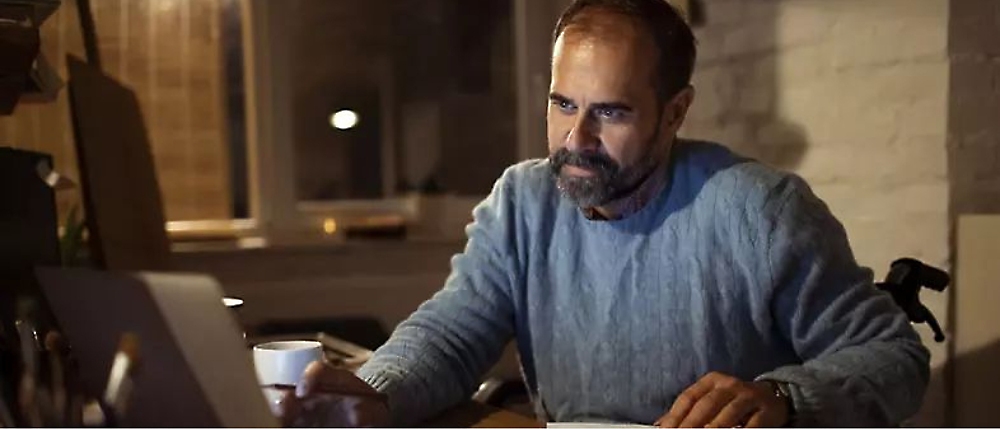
[572,170]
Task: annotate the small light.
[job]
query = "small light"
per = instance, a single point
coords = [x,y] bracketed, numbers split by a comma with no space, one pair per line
[232,302]
[344,119]
[330,226]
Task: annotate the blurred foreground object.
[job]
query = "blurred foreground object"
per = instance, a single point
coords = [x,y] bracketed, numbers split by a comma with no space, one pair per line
[25,74]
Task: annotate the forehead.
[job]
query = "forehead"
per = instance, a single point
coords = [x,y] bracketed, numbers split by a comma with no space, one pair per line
[603,54]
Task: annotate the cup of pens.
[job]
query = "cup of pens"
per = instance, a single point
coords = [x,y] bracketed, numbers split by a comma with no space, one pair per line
[279,366]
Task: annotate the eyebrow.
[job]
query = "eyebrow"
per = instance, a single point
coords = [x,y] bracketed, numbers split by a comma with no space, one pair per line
[614,105]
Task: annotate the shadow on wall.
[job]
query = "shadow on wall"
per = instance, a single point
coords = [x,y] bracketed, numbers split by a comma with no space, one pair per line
[933,413]
[975,402]
[737,102]
[783,145]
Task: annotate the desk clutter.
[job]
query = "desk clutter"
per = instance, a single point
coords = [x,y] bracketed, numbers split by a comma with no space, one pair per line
[48,391]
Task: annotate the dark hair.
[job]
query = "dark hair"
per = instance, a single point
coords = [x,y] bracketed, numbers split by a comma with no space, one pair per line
[671,34]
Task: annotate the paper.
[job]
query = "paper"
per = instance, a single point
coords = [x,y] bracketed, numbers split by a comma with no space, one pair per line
[595,425]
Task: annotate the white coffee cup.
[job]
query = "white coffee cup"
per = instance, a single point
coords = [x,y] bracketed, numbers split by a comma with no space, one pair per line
[283,362]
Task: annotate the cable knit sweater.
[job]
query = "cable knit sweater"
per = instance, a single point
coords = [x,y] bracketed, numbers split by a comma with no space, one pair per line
[733,267]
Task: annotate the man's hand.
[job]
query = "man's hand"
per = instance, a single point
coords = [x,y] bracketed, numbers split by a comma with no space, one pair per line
[718,400]
[334,397]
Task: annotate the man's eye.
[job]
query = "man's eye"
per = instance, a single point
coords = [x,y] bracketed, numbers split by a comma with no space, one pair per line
[608,113]
[564,106]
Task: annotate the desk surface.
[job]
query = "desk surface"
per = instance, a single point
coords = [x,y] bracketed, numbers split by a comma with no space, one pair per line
[475,415]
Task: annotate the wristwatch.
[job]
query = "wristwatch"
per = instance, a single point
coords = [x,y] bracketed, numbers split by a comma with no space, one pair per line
[781,391]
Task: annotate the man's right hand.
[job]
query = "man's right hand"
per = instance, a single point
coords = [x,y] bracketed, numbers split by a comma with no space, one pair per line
[334,397]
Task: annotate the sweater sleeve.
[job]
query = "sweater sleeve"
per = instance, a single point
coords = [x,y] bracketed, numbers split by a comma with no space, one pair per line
[863,364]
[436,358]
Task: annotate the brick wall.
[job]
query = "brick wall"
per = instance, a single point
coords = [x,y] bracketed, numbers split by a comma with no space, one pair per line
[852,95]
[169,53]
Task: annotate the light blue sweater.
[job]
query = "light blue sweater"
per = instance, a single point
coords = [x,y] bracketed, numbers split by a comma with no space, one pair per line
[733,267]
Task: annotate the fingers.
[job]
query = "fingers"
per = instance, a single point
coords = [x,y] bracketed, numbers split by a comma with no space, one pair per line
[757,421]
[685,402]
[290,407]
[707,408]
[719,400]
[321,377]
[329,396]
[331,410]
[735,413]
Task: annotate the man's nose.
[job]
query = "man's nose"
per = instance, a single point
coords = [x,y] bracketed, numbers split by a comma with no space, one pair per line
[582,136]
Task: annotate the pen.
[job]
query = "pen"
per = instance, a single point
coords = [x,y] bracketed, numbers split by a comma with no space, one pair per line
[119,388]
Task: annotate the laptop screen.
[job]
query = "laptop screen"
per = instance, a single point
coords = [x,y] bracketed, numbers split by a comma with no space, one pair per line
[194,367]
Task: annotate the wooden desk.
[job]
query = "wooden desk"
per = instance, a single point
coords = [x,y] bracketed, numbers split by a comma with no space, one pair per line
[475,415]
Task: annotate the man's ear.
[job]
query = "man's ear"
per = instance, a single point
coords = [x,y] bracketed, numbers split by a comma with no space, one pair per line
[676,110]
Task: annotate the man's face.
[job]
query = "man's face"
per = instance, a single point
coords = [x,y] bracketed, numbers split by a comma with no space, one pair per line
[605,132]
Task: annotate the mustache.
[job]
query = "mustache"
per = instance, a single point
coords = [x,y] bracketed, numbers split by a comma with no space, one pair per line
[595,161]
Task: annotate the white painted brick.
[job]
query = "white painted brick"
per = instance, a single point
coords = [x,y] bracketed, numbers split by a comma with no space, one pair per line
[871,202]
[715,92]
[709,42]
[722,13]
[904,82]
[733,133]
[762,72]
[753,38]
[875,164]
[864,83]
[925,117]
[803,103]
[756,99]
[887,241]
[803,64]
[803,23]
[877,241]
[847,127]
[885,31]
[868,108]
[921,158]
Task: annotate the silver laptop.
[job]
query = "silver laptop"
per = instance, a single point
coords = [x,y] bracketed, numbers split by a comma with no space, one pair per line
[194,367]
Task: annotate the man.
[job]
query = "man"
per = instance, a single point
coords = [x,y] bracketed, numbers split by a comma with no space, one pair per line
[645,278]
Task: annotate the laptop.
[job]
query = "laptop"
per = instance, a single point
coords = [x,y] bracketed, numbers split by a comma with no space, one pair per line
[194,366]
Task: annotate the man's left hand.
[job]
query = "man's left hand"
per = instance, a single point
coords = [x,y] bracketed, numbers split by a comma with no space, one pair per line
[719,400]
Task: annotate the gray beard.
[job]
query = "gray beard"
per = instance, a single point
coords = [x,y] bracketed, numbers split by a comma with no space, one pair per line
[608,183]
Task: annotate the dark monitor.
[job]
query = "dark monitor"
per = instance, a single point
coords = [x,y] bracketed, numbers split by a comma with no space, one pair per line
[125,218]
